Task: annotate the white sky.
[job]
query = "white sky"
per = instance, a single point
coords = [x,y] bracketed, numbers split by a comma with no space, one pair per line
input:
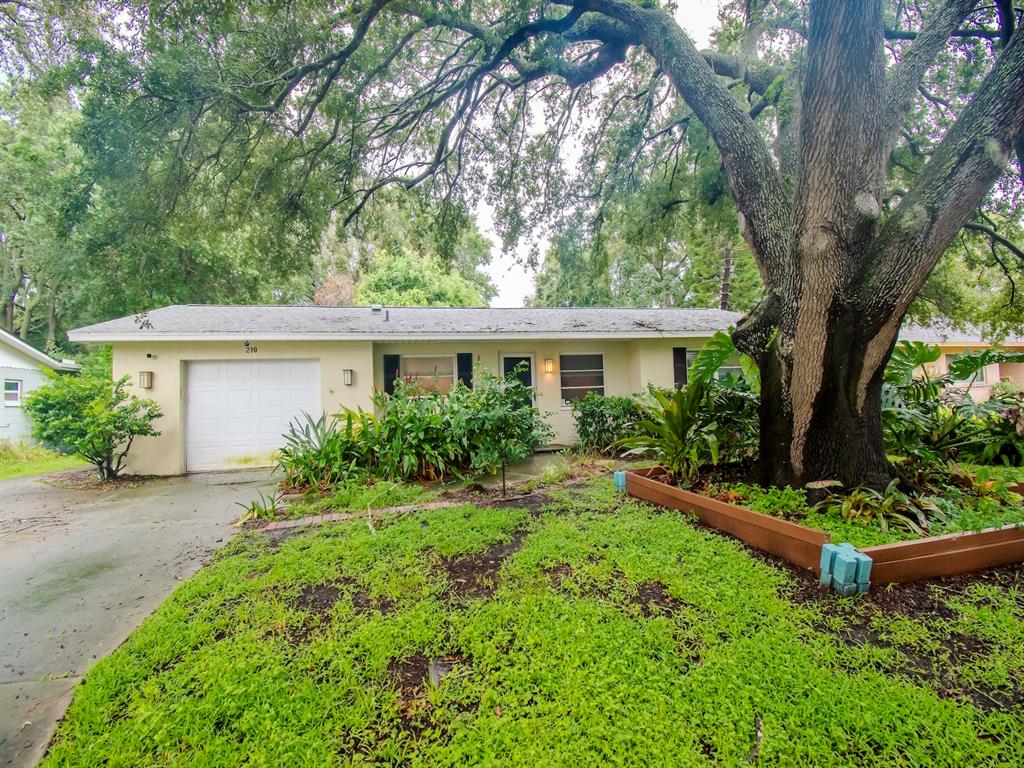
[514,281]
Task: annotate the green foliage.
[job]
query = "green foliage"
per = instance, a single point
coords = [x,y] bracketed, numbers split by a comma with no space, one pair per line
[717,351]
[92,417]
[24,459]
[405,280]
[495,421]
[930,420]
[321,452]
[564,659]
[359,494]
[673,432]
[416,434]
[601,421]
[889,507]
[266,506]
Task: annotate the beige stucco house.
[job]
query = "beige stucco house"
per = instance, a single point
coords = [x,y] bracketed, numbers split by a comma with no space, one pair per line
[229,379]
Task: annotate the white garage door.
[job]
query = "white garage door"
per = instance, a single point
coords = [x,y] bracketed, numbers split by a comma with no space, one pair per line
[237,410]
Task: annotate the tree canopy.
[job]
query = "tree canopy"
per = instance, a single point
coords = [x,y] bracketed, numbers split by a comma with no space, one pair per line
[865,147]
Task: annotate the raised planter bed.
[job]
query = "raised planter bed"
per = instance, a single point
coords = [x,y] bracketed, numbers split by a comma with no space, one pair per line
[802,546]
[947,555]
[795,543]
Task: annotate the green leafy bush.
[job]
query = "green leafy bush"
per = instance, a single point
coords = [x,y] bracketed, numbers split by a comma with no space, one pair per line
[675,433]
[494,422]
[931,419]
[912,513]
[91,416]
[601,421]
[417,435]
[321,452]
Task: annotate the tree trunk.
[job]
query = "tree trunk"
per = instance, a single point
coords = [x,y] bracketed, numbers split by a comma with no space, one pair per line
[842,442]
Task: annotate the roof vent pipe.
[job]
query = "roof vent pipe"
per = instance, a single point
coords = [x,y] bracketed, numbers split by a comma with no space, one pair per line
[376,308]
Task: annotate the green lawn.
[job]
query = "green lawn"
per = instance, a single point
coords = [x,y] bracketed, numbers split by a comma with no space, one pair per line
[592,631]
[25,460]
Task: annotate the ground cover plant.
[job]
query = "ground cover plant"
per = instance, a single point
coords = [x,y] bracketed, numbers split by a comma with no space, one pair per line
[583,628]
[22,460]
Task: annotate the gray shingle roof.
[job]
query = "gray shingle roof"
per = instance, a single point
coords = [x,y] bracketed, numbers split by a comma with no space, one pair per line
[207,321]
[940,333]
[266,322]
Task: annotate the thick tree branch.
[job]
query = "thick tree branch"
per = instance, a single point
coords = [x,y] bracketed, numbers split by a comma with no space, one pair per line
[946,193]
[753,178]
[906,77]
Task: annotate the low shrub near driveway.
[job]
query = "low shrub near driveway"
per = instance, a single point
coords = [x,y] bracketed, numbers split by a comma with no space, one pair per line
[600,631]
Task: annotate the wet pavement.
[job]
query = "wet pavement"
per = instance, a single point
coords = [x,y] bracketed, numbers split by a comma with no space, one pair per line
[80,569]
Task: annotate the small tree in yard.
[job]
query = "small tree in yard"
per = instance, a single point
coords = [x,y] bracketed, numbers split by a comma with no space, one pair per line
[498,421]
[91,416]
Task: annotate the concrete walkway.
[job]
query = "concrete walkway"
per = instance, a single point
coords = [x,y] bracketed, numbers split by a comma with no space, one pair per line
[80,569]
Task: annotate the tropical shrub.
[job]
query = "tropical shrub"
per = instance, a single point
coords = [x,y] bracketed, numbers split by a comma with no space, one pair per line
[417,435]
[91,416]
[601,421]
[322,452]
[495,422]
[674,431]
[931,419]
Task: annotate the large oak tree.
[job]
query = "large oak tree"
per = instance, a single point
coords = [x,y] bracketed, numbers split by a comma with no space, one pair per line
[466,97]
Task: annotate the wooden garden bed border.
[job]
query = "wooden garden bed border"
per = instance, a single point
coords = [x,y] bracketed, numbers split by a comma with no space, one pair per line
[798,544]
[904,561]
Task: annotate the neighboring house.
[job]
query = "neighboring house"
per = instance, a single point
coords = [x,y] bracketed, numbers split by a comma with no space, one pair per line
[230,378]
[20,372]
[955,342]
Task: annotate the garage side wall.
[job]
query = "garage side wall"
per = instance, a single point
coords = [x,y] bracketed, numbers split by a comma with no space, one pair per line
[165,454]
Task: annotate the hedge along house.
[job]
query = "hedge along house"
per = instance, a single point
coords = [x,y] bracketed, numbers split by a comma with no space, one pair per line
[229,379]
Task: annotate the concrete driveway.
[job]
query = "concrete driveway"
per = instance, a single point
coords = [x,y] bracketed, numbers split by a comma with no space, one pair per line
[80,569]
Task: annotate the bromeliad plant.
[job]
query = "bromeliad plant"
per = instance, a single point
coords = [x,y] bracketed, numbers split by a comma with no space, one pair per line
[674,431]
[890,507]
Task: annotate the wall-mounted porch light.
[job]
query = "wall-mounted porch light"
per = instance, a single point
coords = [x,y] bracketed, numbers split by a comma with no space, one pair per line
[145,379]
[346,376]
[549,365]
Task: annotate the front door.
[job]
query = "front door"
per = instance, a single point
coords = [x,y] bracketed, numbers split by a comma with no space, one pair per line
[509,363]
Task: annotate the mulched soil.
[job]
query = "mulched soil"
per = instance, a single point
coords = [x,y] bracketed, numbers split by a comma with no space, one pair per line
[476,576]
[924,601]
[88,480]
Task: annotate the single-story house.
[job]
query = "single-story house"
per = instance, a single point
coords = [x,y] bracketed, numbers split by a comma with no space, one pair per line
[953,342]
[229,379]
[21,371]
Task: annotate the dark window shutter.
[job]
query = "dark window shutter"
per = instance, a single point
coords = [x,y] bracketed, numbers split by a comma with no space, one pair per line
[465,360]
[392,368]
[679,366]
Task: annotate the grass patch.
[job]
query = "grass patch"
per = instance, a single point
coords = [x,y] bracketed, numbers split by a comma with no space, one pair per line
[359,496]
[601,631]
[24,460]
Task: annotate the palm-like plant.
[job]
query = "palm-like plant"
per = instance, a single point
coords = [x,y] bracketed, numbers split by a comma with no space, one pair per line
[673,431]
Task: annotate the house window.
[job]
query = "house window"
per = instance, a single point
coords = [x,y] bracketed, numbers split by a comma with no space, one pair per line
[682,358]
[580,374]
[12,392]
[429,374]
[978,379]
